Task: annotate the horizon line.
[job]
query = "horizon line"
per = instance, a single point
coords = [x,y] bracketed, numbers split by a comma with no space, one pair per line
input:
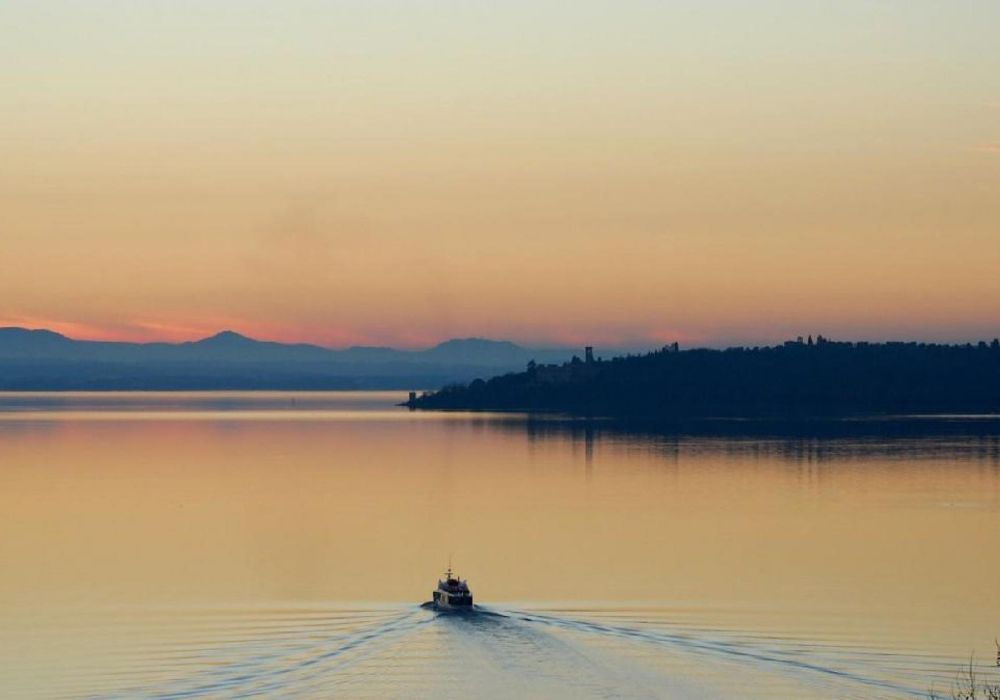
[526,345]
[623,345]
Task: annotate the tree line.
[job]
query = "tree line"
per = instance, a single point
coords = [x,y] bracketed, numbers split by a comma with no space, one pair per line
[803,377]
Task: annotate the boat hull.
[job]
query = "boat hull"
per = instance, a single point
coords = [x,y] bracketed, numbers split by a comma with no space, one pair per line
[445,601]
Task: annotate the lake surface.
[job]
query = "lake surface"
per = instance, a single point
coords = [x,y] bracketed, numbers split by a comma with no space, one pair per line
[279,544]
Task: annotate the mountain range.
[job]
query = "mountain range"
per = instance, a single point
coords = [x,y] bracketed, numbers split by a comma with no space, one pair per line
[45,360]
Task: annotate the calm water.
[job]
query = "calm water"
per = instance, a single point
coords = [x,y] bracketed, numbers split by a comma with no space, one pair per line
[278,544]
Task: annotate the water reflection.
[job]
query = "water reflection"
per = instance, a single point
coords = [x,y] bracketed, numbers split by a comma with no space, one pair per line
[812,441]
[264,522]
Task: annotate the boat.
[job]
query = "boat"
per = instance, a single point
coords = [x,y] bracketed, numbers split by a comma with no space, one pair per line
[452,593]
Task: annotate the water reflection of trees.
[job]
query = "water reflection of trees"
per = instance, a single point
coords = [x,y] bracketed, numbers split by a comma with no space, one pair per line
[806,442]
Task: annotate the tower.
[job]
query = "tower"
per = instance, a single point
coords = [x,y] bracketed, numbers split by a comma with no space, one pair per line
[589,352]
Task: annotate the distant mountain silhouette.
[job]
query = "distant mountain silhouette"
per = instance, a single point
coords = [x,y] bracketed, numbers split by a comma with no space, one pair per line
[797,379]
[234,347]
[227,339]
[22,340]
[480,351]
[43,359]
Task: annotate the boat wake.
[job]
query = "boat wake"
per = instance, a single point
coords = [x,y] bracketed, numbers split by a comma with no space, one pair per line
[277,661]
[755,655]
[487,652]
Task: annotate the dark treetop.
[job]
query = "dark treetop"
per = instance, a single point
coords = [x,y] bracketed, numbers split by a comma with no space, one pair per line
[799,378]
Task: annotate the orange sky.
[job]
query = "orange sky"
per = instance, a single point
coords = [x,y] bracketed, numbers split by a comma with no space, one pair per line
[556,172]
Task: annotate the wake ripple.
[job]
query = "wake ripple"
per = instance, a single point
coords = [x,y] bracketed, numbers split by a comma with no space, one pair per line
[717,647]
[498,652]
[268,665]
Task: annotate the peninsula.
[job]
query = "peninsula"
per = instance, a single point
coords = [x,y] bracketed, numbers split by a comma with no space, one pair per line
[799,378]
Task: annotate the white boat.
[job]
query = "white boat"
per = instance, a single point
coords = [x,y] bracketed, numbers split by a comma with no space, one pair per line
[452,593]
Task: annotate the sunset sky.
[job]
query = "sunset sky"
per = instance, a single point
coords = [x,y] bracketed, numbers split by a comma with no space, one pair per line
[402,172]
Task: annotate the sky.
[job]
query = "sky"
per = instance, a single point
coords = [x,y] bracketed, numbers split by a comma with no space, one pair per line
[401,172]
